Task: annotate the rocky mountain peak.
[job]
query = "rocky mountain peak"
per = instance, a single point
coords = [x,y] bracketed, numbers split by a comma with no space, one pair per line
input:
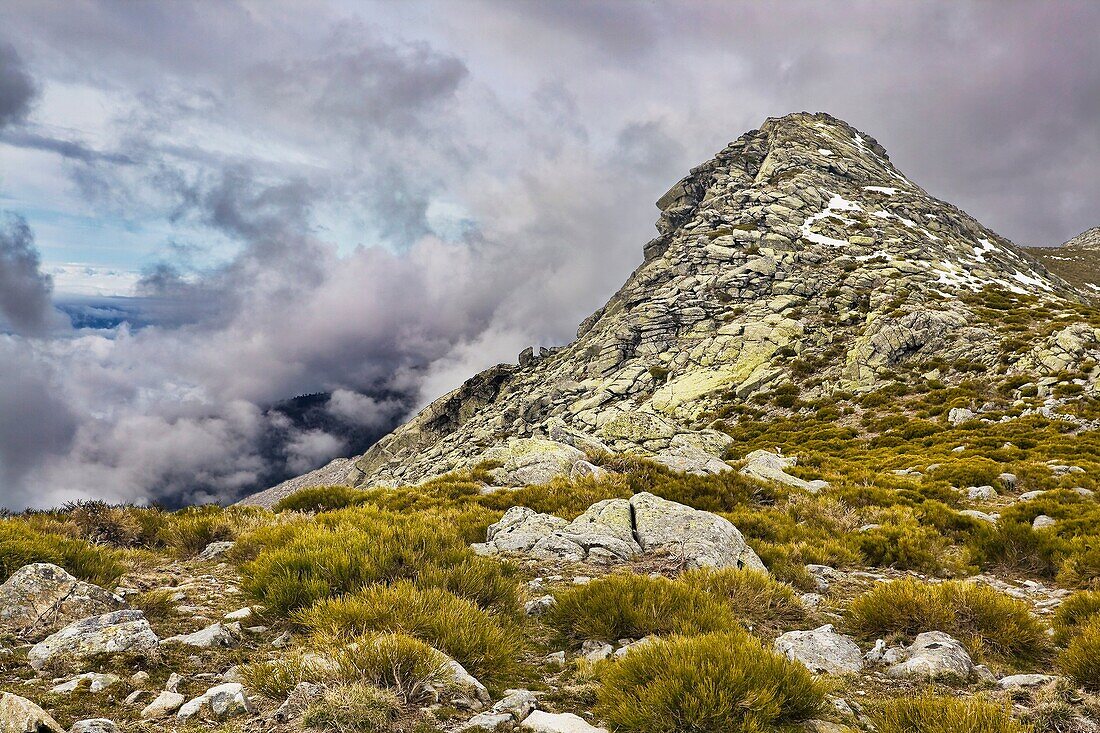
[798,258]
[1077,261]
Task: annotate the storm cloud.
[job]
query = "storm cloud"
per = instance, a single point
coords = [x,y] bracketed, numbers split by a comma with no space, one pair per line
[376,200]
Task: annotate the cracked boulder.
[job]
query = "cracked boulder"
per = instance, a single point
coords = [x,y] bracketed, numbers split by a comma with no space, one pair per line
[532,461]
[933,655]
[41,598]
[616,530]
[821,650]
[117,632]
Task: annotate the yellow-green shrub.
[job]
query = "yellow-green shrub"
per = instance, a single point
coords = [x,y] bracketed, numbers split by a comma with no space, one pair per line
[396,661]
[714,683]
[981,618]
[633,606]
[1081,659]
[353,708]
[1074,612]
[21,545]
[930,713]
[754,597]
[188,531]
[320,499]
[486,645]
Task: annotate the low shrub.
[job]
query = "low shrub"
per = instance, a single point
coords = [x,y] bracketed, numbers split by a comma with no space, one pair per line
[486,645]
[978,616]
[406,665]
[188,531]
[1074,612]
[354,708]
[157,604]
[321,499]
[714,683]
[1081,659]
[491,584]
[277,678]
[931,713]
[20,545]
[754,597]
[632,606]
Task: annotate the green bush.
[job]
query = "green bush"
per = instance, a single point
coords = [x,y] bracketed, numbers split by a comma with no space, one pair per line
[754,597]
[297,566]
[978,616]
[907,544]
[20,545]
[188,531]
[353,708]
[489,583]
[1081,659]
[715,683]
[1074,612]
[277,678]
[486,645]
[321,499]
[930,713]
[406,665]
[632,606]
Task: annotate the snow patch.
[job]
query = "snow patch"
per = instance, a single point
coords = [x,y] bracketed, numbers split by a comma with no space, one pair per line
[888,190]
[825,151]
[836,203]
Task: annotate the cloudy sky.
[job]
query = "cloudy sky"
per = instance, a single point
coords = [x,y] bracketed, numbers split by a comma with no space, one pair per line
[209,207]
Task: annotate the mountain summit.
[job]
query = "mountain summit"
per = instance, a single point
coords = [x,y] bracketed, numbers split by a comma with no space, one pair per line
[797,260]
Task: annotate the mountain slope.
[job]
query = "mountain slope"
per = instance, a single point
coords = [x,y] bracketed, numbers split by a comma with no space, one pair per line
[1077,261]
[799,259]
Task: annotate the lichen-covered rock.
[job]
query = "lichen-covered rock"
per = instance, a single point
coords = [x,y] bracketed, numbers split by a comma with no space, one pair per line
[215,635]
[933,655]
[821,650]
[163,705]
[695,537]
[41,598]
[90,681]
[767,466]
[542,722]
[527,461]
[116,632]
[617,530]
[220,702]
[94,725]
[20,715]
[689,459]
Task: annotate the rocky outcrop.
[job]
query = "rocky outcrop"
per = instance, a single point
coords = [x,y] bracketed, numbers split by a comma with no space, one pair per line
[40,598]
[617,530]
[117,632]
[768,466]
[798,249]
[217,703]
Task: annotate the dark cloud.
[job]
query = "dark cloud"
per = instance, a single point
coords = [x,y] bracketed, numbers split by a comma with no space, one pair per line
[24,289]
[376,200]
[17,88]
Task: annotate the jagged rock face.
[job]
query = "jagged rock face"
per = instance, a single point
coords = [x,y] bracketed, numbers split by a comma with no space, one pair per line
[1077,261]
[799,240]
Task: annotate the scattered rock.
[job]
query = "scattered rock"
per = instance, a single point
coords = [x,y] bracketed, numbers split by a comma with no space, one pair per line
[932,655]
[92,681]
[595,651]
[697,538]
[1042,521]
[980,516]
[821,650]
[215,635]
[215,550]
[768,466]
[543,722]
[40,598]
[94,725]
[959,415]
[119,631]
[20,715]
[539,606]
[1016,681]
[692,460]
[222,701]
[981,493]
[469,692]
[240,614]
[163,705]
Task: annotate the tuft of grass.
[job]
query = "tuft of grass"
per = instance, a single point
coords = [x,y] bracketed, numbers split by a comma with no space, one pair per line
[984,620]
[277,678]
[632,606]
[22,545]
[1075,612]
[1081,659]
[486,645]
[755,598]
[321,499]
[156,604]
[353,708]
[188,531]
[714,683]
[931,713]
[406,665]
